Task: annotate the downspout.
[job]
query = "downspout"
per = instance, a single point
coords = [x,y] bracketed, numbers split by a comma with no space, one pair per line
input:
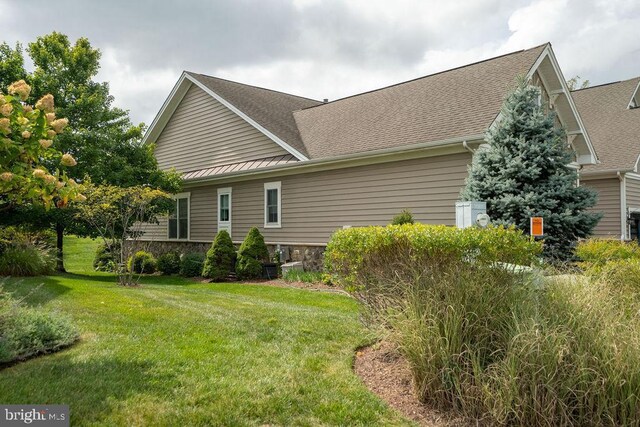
[623,205]
[465,144]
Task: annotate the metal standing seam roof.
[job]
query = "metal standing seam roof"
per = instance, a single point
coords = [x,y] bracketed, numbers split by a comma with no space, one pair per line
[240,166]
[614,128]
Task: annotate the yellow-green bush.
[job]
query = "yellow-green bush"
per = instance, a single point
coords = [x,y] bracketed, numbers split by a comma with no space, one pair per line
[359,256]
[599,251]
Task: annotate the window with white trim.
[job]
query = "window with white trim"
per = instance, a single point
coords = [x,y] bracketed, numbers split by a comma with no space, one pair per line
[224,209]
[272,204]
[178,227]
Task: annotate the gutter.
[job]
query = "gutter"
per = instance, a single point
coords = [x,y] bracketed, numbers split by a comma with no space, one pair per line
[605,173]
[306,164]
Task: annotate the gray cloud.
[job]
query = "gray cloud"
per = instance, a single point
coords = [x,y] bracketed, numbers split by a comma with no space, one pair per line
[325,48]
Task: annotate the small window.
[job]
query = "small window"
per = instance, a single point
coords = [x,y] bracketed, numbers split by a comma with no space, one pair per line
[179,218]
[272,204]
[224,209]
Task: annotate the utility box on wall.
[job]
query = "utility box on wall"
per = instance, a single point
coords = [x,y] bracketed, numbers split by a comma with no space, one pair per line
[467,212]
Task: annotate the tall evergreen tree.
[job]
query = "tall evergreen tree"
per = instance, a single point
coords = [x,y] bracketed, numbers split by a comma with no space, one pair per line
[523,172]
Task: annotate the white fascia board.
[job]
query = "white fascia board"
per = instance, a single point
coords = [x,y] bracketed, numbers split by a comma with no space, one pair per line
[248,119]
[166,111]
[636,96]
[592,156]
[584,159]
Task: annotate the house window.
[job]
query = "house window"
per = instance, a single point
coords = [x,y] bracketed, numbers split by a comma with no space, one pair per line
[224,209]
[272,204]
[179,217]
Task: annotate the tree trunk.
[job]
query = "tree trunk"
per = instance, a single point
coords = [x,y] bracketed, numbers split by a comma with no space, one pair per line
[59,248]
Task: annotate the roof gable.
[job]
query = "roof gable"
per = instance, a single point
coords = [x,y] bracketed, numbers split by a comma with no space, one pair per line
[613,127]
[270,112]
[203,133]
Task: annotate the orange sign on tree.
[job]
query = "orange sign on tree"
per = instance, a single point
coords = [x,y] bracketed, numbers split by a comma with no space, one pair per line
[536,226]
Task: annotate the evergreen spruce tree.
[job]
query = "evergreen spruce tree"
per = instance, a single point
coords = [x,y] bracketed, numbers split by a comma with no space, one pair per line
[523,172]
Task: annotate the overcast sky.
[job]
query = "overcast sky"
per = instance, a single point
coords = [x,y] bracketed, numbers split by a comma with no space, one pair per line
[325,48]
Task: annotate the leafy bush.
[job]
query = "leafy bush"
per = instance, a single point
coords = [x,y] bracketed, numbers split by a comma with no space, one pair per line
[252,254]
[362,256]
[191,264]
[404,217]
[599,251]
[304,276]
[26,332]
[142,262]
[105,260]
[24,253]
[169,263]
[220,258]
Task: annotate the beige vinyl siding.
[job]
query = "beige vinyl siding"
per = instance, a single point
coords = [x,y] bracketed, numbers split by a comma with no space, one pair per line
[203,133]
[316,204]
[608,202]
[633,192]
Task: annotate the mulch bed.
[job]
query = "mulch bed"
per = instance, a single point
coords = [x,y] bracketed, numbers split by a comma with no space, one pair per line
[387,374]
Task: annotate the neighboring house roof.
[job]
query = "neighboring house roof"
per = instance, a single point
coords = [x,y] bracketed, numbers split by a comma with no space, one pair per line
[271,109]
[613,127]
[240,166]
[455,103]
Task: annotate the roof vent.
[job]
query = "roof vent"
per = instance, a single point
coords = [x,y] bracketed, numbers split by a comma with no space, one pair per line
[325,100]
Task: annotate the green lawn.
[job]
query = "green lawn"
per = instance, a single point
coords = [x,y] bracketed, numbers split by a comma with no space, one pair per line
[175,352]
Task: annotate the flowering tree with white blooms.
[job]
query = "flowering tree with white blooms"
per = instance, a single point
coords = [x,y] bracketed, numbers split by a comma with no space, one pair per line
[27,140]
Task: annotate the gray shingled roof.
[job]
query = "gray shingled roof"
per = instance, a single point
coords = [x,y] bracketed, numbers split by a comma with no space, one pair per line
[613,128]
[269,108]
[451,104]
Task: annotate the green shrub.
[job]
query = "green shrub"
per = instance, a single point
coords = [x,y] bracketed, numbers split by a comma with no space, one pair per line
[105,260]
[366,255]
[191,264]
[220,258]
[142,262]
[404,217]
[304,276]
[599,251]
[26,332]
[251,255]
[169,263]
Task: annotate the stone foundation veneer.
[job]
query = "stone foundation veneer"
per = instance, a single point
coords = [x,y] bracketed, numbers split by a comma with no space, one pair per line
[311,256]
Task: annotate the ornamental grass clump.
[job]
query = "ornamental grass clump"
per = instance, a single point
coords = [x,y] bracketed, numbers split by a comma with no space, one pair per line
[488,340]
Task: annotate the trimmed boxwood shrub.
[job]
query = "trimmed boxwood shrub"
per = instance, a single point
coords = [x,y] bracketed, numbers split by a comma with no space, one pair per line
[142,263]
[105,260]
[191,264]
[220,257]
[252,254]
[169,263]
[404,217]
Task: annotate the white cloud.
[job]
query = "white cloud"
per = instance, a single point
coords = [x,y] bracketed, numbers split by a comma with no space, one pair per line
[140,91]
[331,48]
